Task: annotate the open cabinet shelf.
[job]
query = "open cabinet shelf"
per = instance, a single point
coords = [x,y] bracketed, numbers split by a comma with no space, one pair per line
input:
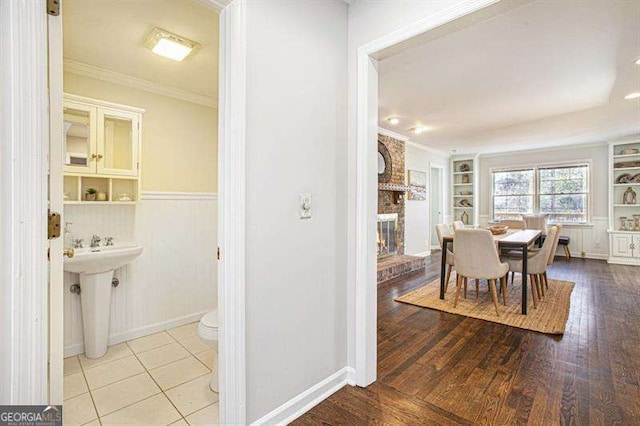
[117,190]
[464,186]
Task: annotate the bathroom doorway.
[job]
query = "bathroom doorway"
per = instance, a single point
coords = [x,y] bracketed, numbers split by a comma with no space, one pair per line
[138,143]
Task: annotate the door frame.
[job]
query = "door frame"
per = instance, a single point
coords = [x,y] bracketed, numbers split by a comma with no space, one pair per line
[363,166]
[440,169]
[231,213]
[24,121]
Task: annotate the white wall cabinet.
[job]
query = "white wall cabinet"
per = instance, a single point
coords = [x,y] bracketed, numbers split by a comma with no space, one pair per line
[101,138]
[102,151]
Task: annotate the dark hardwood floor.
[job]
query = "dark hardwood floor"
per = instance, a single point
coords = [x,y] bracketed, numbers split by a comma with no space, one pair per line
[439,368]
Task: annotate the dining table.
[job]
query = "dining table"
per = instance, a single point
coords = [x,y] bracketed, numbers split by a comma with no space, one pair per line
[513,239]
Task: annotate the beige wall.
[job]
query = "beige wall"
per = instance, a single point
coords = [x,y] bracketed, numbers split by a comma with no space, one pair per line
[179,139]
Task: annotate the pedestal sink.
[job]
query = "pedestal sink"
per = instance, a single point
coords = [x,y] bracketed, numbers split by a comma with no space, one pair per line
[96,266]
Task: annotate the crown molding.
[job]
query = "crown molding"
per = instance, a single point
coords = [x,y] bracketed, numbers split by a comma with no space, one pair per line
[411,143]
[216,5]
[92,71]
[392,134]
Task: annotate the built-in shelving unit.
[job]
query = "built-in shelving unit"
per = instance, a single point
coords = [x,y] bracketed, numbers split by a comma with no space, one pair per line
[464,189]
[624,201]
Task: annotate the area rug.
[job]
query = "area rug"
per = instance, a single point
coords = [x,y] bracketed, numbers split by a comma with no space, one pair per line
[550,317]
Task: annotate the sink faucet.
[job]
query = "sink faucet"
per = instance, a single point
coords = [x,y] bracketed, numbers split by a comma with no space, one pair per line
[95,241]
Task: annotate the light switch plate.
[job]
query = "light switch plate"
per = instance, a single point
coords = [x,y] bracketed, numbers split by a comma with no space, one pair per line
[305,206]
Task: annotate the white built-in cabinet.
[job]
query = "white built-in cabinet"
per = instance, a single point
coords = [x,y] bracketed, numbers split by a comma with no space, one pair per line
[625,245]
[102,150]
[624,241]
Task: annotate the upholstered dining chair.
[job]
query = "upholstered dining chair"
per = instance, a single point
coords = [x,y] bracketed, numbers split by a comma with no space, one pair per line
[513,224]
[552,254]
[477,257]
[458,224]
[536,221]
[442,229]
[532,251]
[536,265]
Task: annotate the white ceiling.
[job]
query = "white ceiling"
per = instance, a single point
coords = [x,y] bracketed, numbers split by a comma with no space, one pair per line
[110,34]
[544,74]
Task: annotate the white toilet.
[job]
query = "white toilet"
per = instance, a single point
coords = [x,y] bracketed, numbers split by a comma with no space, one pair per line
[208,330]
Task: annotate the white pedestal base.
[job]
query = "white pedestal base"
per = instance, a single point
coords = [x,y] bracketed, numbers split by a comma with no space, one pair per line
[95,297]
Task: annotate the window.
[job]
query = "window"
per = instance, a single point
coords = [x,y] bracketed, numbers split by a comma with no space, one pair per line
[513,194]
[562,192]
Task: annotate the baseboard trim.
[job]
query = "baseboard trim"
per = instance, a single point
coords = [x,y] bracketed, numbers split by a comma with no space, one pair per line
[300,404]
[423,254]
[623,261]
[114,339]
[595,256]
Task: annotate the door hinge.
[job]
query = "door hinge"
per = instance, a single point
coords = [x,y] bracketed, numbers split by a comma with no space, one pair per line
[53,7]
[218,253]
[53,225]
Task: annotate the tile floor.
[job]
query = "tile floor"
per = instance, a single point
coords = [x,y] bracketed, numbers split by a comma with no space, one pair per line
[158,379]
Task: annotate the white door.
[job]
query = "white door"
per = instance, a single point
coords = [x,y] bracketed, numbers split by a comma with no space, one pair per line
[435,207]
[621,245]
[79,129]
[56,164]
[118,141]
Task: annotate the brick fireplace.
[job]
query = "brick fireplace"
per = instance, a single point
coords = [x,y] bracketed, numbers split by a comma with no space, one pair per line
[392,262]
[387,200]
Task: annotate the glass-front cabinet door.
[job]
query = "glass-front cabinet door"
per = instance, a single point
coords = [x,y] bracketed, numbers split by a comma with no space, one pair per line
[80,138]
[117,148]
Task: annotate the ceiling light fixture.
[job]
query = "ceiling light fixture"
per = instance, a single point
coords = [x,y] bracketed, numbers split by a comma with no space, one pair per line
[633,95]
[418,129]
[393,120]
[169,45]
[638,61]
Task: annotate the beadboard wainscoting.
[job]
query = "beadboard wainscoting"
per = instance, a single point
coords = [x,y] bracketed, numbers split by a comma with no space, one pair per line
[592,240]
[172,283]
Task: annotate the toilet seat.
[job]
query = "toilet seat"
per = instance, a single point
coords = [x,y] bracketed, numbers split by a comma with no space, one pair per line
[208,327]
